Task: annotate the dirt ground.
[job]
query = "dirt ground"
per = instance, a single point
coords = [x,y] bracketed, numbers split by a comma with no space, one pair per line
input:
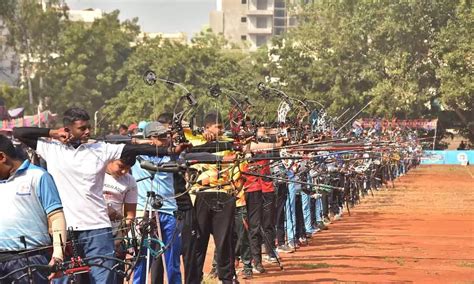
[421,231]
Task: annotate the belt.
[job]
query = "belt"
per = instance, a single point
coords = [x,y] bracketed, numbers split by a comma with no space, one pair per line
[2,252]
[11,255]
[14,255]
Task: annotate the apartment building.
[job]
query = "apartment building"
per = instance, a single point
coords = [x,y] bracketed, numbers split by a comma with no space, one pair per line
[251,23]
[87,16]
[180,37]
[9,60]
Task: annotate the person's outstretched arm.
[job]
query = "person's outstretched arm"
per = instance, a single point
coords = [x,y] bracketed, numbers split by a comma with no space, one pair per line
[30,135]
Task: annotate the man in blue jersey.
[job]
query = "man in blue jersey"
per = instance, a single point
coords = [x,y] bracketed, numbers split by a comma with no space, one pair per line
[30,204]
[162,183]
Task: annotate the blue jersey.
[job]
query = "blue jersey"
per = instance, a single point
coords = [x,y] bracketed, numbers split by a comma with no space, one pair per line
[27,197]
[162,184]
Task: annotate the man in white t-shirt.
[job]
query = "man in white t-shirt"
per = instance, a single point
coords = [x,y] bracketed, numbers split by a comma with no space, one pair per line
[78,168]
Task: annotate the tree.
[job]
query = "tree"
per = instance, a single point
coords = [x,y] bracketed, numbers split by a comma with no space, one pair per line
[351,52]
[455,51]
[32,32]
[15,97]
[85,70]
[197,67]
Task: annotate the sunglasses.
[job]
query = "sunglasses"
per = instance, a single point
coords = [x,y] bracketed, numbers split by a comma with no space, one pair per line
[161,136]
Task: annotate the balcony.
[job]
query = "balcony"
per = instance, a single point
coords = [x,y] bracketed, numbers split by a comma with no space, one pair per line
[260,31]
[268,12]
[260,5]
[260,12]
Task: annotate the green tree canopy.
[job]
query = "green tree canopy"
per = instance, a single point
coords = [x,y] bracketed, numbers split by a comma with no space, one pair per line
[197,67]
[454,48]
[86,69]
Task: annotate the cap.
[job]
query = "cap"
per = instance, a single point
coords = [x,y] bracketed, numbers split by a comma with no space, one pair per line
[154,129]
[142,124]
[132,127]
[141,127]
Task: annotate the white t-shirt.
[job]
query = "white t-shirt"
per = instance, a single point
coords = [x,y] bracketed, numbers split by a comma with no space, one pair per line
[79,176]
[117,192]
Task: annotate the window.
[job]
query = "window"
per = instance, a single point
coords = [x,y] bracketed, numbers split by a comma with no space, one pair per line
[244,2]
[280,13]
[279,22]
[12,67]
[262,5]
[261,22]
[243,37]
[279,3]
[293,21]
[279,31]
[243,19]
[261,40]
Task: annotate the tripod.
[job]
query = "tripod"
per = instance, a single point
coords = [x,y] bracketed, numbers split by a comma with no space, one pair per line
[269,245]
[154,201]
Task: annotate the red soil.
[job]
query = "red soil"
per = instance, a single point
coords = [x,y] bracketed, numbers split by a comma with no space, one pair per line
[421,231]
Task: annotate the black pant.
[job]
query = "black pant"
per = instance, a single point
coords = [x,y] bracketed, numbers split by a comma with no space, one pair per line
[300,229]
[268,220]
[325,202]
[282,195]
[189,238]
[13,261]
[241,238]
[215,213]
[312,207]
[253,202]
[157,271]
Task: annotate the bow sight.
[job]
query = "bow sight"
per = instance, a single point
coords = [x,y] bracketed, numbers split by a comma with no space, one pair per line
[215,90]
[266,91]
[150,79]
[237,116]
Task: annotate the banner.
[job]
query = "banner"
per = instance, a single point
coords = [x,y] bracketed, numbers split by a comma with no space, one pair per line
[426,124]
[31,120]
[448,157]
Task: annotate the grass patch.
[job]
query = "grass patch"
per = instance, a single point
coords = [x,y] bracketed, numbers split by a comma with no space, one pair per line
[315,265]
[399,260]
[468,264]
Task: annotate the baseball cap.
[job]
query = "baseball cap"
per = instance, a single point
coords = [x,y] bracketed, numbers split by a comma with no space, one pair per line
[140,128]
[154,129]
[132,127]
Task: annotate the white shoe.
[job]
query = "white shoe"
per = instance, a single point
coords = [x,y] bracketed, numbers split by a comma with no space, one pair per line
[269,259]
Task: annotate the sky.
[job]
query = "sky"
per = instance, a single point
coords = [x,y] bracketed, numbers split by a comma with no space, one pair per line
[167,16]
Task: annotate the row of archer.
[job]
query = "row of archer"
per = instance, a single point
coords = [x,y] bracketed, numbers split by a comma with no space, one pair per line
[214,185]
[334,171]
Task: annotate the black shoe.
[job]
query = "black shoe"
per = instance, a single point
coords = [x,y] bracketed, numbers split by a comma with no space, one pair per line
[247,274]
[258,268]
[322,226]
